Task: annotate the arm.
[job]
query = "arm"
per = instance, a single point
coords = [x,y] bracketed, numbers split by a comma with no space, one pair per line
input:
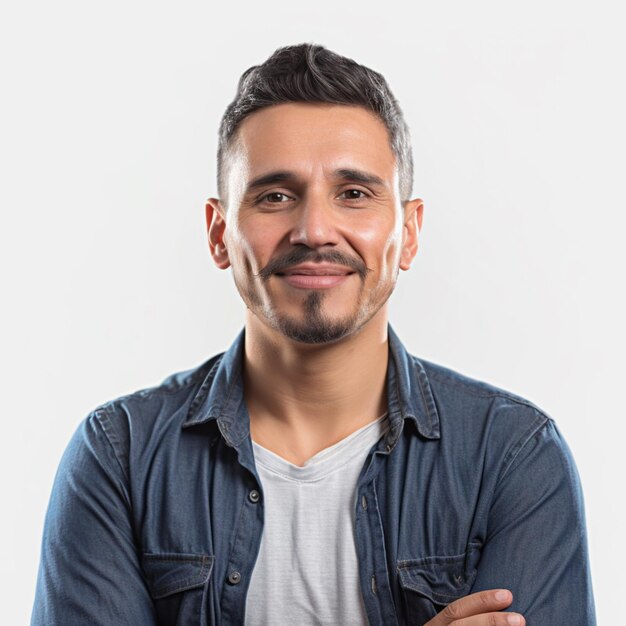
[89,571]
[483,608]
[536,542]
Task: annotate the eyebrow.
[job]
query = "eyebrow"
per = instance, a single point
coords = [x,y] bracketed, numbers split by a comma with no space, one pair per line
[356,176]
[270,179]
[359,176]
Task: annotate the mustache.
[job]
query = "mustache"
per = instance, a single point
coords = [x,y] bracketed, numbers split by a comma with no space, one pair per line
[304,255]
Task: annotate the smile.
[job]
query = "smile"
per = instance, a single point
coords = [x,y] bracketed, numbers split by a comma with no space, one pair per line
[315,276]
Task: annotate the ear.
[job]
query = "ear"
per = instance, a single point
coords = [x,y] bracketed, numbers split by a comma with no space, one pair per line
[216,227]
[413,213]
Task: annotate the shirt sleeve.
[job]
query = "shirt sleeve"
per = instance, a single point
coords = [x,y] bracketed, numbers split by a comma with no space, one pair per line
[89,571]
[536,543]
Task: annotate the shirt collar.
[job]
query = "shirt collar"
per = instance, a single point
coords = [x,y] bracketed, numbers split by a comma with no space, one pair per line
[409,395]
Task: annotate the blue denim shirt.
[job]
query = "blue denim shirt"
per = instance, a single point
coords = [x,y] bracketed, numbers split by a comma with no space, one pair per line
[156,513]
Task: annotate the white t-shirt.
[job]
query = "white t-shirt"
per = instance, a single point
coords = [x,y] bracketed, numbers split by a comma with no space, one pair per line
[307,571]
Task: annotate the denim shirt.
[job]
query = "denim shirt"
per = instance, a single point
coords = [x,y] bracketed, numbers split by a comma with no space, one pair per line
[156,513]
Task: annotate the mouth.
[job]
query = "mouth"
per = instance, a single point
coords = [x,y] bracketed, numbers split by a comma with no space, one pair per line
[315,276]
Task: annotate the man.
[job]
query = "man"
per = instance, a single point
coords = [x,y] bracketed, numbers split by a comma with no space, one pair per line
[316,472]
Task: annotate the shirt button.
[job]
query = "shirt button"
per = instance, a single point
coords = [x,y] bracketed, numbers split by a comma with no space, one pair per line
[234,578]
[254,496]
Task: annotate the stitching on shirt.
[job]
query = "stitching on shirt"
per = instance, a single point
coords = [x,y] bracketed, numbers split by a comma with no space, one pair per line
[395,434]
[100,415]
[204,562]
[236,534]
[202,393]
[423,393]
[397,400]
[431,560]
[471,390]
[236,379]
[103,414]
[424,564]
[171,388]
[200,559]
[179,585]
[571,486]
[539,422]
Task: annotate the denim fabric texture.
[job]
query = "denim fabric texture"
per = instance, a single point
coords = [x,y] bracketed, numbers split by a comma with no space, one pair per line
[156,512]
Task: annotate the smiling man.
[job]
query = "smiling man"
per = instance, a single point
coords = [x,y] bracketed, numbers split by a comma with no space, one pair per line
[316,472]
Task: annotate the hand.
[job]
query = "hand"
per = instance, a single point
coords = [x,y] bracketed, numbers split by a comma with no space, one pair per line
[479,609]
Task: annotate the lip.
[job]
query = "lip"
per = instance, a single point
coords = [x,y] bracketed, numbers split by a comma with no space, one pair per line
[317,269]
[315,275]
[314,281]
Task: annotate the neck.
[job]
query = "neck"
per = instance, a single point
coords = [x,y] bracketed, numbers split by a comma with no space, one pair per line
[313,395]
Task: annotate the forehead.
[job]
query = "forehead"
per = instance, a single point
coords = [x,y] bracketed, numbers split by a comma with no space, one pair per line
[308,137]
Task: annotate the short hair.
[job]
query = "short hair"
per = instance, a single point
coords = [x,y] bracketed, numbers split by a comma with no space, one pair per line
[312,73]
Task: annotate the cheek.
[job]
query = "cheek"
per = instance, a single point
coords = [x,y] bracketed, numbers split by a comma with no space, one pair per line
[250,247]
[373,233]
[380,244]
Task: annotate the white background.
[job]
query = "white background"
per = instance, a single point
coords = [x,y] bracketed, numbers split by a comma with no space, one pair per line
[108,135]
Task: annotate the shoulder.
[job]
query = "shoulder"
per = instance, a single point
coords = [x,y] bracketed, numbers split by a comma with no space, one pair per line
[174,391]
[140,418]
[496,428]
[456,384]
[480,411]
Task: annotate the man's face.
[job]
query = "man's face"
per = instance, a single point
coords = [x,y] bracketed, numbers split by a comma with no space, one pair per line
[313,228]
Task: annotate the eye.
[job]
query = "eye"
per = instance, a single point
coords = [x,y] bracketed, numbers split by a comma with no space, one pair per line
[353,194]
[275,197]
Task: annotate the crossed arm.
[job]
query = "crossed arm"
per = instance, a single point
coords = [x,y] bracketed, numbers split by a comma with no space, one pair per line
[534,556]
[536,547]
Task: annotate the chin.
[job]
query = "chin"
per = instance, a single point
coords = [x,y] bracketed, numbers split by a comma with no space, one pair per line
[314,335]
[319,329]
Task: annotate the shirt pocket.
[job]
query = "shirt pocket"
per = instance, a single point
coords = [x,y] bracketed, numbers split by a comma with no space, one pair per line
[178,585]
[431,583]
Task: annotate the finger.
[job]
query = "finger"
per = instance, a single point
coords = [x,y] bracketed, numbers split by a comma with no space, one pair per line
[491,619]
[474,604]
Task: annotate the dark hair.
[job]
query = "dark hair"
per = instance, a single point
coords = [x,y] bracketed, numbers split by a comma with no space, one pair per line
[312,73]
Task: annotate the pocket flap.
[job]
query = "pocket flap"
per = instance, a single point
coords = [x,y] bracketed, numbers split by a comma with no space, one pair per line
[169,573]
[441,579]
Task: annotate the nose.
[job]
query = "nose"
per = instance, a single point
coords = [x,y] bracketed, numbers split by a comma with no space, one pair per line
[315,223]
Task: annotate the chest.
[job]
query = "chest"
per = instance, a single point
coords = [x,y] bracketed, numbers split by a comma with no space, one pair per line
[407,522]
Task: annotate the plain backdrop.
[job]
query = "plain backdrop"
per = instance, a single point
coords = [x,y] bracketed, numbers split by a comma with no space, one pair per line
[109,113]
